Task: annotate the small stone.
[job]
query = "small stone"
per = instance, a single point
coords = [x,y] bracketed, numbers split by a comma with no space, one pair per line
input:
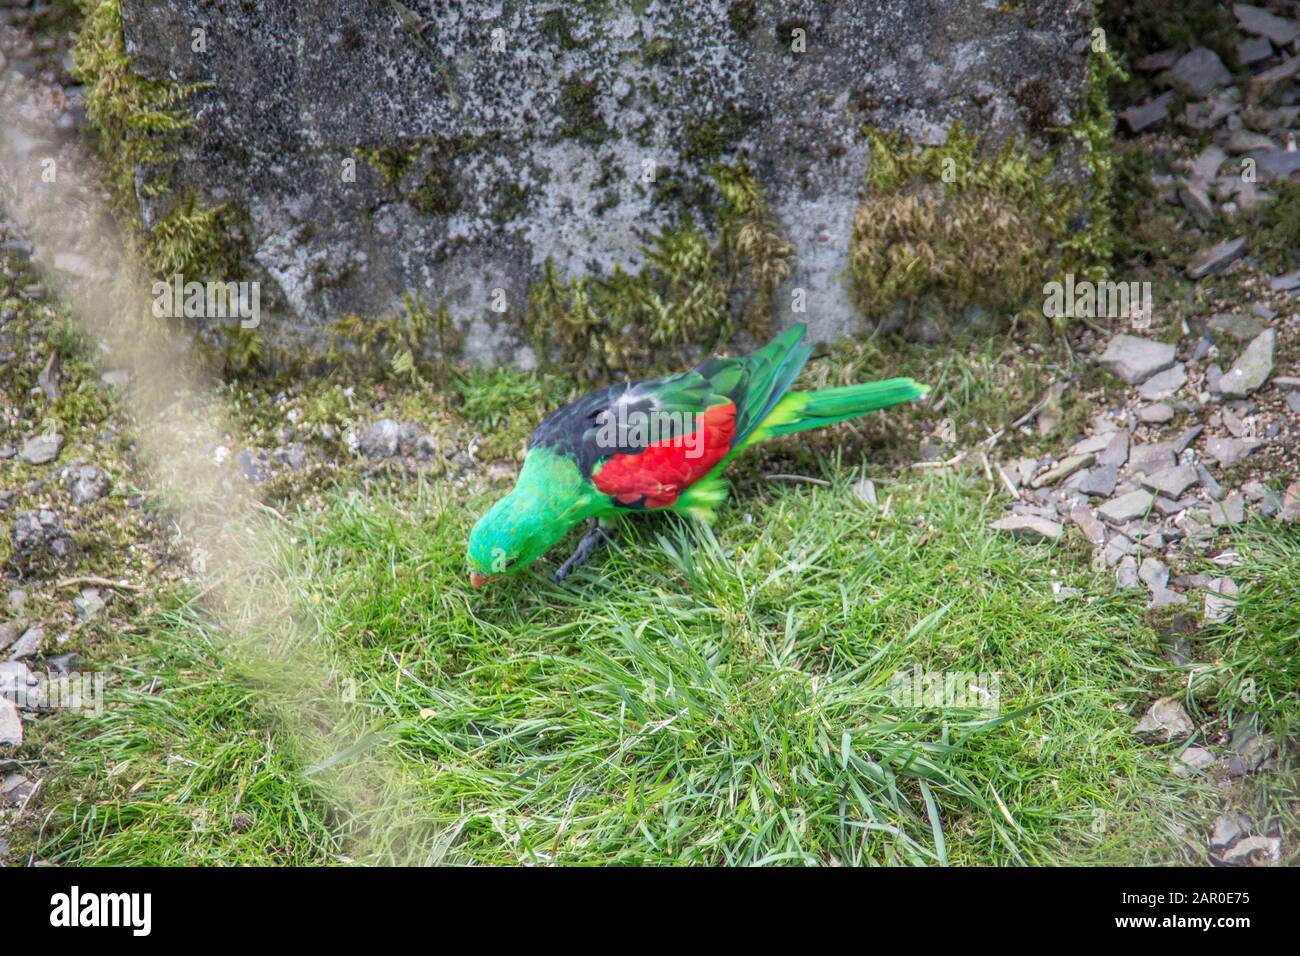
[1254,50]
[1250,749]
[1228,830]
[1213,378]
[1167,506]
[1030,528]
[1215,259]
[1154,574]
[1148,114]
[1261,23]
[1135,504]
[1115,454]
[1245,141]
[1092,529]
[1090,446]
[1164,384]
[1193,760]
[88,604]
[1206,165]
[1230,511]
[10,631]
[1171,482]
[1262,83]
[1285,283]
[1165,722]
[1253,368]
[28,645]
[118,378]
[252,464]
[11,725]
[1185,440]
[865,489]
[1230,326]
[88,483]
[1197,73]
[1266,849]
[41,449]
[38,535]
[1220,600]
[1063,469]
[1197,202]
[385,438]
[1099,482]
[1152,456]
[65,663]
[1126,574]
[1208,482]
[1157,62]
[1157,414]
[1290,510]
[1279,164]
[1227,451]
[1134,359]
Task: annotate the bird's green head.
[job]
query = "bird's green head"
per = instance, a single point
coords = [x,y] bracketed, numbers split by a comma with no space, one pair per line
[547,500]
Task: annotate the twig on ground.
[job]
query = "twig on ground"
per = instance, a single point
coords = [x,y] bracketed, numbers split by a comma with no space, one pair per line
[99,582]
[798,478]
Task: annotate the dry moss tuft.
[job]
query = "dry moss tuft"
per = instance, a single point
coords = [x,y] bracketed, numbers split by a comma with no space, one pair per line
[948,225]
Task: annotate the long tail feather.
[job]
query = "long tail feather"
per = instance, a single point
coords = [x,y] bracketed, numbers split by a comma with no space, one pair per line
[799,411]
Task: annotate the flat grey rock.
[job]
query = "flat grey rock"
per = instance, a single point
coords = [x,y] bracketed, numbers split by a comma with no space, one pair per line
[1154,574]
[1259,22]
[1092,529]
[1126,573]
[1216,258]
[1099,482]
[1253,50]
[1127,507]
[1234,327]
[11,725]
[41,449]
[1197,73]
[1134,360]
[1115,454]
[1230,511]
[1252,369]
[1220,600]
[1146,115]
[1166,721]
[1164,384]
[1280,164]
[1228,451]
[1192,761]
[1155,414]
[1228,830]
[1208,482]
[1285,283]
[1171,482]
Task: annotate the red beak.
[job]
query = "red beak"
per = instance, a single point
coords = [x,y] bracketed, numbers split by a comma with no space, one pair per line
[478,580]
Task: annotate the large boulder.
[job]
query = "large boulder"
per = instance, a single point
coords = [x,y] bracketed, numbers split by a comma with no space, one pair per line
[364,152]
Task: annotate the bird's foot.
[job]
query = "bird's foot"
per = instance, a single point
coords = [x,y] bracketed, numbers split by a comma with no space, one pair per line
[591,542]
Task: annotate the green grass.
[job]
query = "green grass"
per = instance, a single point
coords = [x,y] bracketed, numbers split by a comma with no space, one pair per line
[690,698]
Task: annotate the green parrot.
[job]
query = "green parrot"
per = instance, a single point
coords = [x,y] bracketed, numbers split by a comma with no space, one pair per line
[655,445]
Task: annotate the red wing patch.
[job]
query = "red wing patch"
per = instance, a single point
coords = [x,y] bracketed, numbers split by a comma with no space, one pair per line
[653,478]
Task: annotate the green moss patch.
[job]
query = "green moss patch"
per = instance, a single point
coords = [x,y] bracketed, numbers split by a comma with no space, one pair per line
[596,326]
